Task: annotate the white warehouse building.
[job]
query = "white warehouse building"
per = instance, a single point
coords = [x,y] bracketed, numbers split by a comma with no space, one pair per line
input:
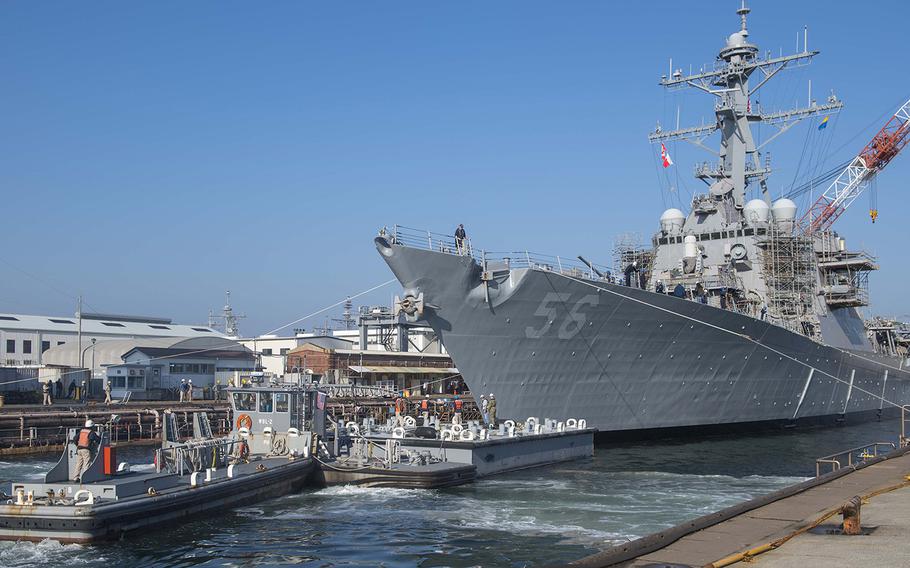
[25,338]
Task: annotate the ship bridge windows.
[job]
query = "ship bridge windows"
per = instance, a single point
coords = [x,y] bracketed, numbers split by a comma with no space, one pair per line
[281,402]
[265,402]
[245,401]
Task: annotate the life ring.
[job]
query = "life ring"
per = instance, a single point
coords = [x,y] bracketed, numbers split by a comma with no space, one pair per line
[353,428]
[244,421]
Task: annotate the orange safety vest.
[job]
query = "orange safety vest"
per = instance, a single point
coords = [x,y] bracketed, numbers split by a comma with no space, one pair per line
[85,439]
[399,405]
[424,405]
[458,404]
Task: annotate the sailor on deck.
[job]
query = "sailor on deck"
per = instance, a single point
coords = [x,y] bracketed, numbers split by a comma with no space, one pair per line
[86,440]
[484,405]
[46,389]
[460,236]
[492,410]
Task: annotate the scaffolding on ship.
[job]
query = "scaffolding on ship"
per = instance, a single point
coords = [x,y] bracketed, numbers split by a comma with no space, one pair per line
[789,268]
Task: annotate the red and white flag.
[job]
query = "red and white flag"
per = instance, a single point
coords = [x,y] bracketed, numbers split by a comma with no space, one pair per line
[665,156]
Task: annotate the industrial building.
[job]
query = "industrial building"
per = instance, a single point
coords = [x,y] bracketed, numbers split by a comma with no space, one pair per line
[152,368]
[25,338]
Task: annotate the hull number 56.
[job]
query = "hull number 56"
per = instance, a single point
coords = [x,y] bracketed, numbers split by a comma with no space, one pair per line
[573,321]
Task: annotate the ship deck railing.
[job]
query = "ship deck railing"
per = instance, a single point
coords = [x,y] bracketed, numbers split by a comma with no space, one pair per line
[491,260]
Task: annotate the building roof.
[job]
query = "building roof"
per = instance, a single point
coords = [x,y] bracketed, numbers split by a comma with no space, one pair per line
[112,352]
[171,353]
[113,325]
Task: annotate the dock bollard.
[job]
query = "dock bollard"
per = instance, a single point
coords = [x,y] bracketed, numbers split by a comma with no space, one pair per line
[851,512]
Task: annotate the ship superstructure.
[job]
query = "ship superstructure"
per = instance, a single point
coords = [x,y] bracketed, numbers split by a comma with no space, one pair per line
[740,311]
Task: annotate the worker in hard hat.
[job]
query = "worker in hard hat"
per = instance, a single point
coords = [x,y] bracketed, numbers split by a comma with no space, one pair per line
[425,409]
[457,404]
[182,390]
[399,412]
[484,406]
[189,390]
[492,410]
[46,390]
[86,441]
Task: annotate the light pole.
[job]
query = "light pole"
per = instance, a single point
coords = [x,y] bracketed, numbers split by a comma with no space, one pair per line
[82,357]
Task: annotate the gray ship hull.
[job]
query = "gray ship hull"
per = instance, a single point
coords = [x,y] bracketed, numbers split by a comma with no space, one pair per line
[548,344]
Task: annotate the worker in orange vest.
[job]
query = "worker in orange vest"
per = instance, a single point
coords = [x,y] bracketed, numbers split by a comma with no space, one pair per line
[425,409]
[86,440]
[458,403]
[399,412]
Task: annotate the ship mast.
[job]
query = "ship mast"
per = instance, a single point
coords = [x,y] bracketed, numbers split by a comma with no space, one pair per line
[739,164]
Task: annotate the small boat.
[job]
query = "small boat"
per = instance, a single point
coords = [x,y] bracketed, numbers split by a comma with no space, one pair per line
[258,460]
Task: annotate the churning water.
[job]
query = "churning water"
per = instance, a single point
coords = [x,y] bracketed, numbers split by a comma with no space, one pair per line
[529,518]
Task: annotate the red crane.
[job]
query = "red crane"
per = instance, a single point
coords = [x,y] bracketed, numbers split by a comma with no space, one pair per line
[856,177]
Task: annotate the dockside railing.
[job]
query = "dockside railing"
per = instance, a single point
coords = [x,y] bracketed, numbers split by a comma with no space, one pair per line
[853,456]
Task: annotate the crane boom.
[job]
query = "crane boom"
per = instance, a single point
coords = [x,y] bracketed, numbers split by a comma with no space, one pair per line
[847,186]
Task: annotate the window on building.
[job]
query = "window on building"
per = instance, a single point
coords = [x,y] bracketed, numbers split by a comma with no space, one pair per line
[61,321]
[10,345]
[118,382]
[45,345]
[284,350]
[266,351]
[245,401]
[112,324]
[265,402]
[281,402]
[137,382]
[26,345]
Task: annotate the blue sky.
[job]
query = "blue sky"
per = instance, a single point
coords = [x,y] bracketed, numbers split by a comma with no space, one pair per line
[155,154]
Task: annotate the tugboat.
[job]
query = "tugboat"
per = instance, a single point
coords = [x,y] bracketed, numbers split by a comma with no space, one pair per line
[267,454]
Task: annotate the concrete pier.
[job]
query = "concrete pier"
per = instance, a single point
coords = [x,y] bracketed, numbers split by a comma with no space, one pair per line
[765,529]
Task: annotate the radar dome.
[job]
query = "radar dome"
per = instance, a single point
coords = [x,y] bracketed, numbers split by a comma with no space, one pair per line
[671,221]
[736,39]
[757,213]
[784,212]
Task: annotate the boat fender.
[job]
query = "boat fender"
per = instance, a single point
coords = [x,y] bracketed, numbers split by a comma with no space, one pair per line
[457,429]
[244,421]
[293,432]
[267,431]
[512,432]
[582,424]
[538,428]
[532,421]
[83,493]
[483,434]
[244,432]
[194,479]
[398,432]
[208,474]
[509,424]
[410,421]
[230,471]
[123,467]
[560,427]
[467,435]
[571,423]
[152,492]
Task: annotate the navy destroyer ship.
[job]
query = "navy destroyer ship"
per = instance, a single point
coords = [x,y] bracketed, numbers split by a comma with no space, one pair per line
[741,313]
